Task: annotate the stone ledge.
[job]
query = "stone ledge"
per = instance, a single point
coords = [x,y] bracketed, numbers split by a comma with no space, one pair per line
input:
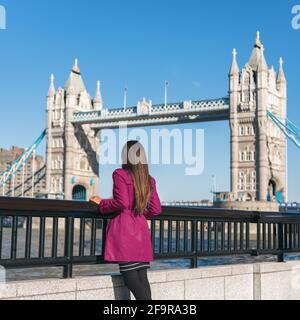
[235,282]
[33,288]
[8,291]
[99,282]
[103,294]
[242,269]
[270,267]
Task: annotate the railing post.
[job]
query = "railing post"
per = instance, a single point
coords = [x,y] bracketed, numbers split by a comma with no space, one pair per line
[194,231]
[255,252]
[69,240]
[104,226]
[14,235]
[280,243]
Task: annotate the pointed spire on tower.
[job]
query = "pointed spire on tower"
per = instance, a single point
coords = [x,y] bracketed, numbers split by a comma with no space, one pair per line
[280,62]
[51,91]
[75,84]
[257,40]
[257,59]
[75,67]
[234,67]
[281,75]
[125,98]
[98,103]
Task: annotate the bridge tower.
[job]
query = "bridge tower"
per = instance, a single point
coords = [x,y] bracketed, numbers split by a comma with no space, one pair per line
[258,147]
[71,153]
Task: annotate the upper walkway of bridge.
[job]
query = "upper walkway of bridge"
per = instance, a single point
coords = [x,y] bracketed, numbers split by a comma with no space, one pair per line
[146,114]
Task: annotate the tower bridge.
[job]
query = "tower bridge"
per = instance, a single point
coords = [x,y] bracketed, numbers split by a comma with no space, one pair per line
[255,108]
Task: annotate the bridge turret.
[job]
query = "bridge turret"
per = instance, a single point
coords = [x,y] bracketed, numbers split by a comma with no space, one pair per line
[51,91]
[72,165]
[98,102]
[234,70]
[49,111]
[281,76]
[282,89]
[74,87]
[281,80]
[234,74]
[234,81]
[257,149]
[261,123]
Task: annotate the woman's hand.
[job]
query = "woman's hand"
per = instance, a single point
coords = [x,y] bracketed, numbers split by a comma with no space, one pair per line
[95,200]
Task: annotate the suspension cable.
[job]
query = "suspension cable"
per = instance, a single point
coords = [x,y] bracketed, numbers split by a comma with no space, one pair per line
[10,172]
[290,130]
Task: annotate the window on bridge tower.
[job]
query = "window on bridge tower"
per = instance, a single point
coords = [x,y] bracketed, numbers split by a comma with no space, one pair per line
[242,156]
[242,130]
[247,79]
[247,96]
[253,182]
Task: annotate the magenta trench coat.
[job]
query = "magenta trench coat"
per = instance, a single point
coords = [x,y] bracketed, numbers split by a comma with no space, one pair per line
[128,237]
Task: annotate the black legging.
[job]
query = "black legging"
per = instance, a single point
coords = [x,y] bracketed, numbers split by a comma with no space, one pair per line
[137,282]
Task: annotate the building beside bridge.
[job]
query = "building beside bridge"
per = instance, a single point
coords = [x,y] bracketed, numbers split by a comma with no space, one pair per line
[21,183]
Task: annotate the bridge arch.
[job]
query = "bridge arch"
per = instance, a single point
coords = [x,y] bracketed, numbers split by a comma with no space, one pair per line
[275,190]
[272,187]
[79,193]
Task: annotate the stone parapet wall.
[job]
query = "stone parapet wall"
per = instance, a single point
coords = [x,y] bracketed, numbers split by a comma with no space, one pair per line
[261,281]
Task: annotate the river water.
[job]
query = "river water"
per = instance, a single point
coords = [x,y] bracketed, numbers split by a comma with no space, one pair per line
[107,269]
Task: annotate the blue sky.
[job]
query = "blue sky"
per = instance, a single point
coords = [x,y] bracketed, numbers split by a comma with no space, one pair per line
[140,44]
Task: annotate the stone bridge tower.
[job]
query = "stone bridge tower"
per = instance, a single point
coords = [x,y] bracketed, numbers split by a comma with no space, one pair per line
[258,147]
[71,152]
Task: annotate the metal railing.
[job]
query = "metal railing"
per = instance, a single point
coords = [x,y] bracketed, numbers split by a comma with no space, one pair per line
[295,206]
[65,233]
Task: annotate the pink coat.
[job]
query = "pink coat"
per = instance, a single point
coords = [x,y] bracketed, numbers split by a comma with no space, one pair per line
[128,236]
